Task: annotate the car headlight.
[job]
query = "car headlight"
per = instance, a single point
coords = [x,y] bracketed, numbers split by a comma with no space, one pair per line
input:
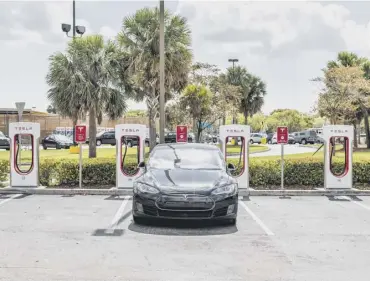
[144,188]
[226,189]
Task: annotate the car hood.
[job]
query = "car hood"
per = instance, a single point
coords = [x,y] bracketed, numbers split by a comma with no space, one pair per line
[186,181]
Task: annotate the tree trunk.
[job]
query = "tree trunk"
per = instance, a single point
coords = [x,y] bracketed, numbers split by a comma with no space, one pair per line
[92,133]
[355,144]
[367,129]
[199,131]
[74,122]
[245,118]
[152,129]
[195,130]
[224,120]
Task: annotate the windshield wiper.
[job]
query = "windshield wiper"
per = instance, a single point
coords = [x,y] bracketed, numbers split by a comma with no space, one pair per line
[177,160]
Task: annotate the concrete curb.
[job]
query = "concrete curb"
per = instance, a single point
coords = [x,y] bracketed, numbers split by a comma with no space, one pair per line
[120,192]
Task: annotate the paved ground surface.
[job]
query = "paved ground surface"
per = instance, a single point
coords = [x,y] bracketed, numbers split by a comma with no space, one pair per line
[93,238]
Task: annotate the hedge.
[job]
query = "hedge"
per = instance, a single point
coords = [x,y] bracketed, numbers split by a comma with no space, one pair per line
[264,174]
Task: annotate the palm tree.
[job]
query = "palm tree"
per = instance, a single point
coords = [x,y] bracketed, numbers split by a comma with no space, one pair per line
[87,79]
[139,38]
[253,90]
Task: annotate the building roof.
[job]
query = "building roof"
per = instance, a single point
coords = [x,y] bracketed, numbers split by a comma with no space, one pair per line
[14,111]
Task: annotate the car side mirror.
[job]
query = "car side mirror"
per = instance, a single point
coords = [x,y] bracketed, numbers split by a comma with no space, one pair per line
[142,165]
[231,167]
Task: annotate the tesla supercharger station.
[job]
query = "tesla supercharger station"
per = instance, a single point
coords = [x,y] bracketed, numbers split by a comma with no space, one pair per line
[242,131]
[24,173]
[126,174]
[344,135]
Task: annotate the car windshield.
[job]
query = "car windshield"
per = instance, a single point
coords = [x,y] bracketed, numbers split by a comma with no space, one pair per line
[186,158]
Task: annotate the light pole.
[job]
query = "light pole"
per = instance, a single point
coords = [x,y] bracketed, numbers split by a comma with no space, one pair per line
[161,72]
[233,61]
[79,28]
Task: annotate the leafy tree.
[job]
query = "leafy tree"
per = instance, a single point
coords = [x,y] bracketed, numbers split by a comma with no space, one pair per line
[203,73]
[203,106]
[139,37]
[175,115]
[231,94]
[258,122]
[348,59]
[293,119]
[86,80]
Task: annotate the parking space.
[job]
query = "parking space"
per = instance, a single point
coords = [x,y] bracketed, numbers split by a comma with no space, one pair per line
[94,238]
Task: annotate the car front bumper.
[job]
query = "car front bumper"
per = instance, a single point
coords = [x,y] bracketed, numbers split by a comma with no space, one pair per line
[226,208]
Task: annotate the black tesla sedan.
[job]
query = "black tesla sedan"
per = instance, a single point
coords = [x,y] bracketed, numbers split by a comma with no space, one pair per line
[185,181]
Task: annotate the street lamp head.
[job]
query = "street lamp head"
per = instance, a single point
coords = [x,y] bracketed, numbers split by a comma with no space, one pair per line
[80,29]
[233,60]
[66,27]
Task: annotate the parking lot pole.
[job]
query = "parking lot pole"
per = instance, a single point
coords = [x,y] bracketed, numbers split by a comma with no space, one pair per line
[282,166]
[80,168]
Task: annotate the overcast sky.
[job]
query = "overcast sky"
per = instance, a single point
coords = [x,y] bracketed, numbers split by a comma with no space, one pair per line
[285,43]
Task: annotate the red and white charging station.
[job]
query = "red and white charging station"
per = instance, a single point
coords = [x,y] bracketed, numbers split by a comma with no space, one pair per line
[332,134]
[244,132]
[24,143]
[135,133]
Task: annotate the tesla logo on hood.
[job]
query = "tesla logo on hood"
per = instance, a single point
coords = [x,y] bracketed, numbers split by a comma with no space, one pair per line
[185,197]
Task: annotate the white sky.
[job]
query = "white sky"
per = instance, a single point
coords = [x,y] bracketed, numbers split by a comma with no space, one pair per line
[285,43]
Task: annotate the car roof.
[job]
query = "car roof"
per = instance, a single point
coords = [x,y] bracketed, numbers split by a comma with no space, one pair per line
[186,145]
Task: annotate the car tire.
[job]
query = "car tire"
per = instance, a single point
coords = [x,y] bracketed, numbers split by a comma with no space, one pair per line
[98,143]
[58,146]
[303,142]
[269,142]
[44,147]
[7,149]
[251,141]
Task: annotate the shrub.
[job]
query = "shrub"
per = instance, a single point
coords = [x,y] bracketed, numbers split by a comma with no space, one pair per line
[4,170]
[264,174]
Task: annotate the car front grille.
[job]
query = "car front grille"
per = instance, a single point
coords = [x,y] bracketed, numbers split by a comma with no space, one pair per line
[185,214]
[188,202]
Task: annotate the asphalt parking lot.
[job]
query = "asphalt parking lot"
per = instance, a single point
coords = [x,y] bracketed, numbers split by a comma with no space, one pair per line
[94,238]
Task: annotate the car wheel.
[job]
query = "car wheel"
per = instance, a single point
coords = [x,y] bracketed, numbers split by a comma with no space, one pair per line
[269,142]
[58,146]
[44,147]
[7,149]
[98,143]
[251,142]
[303,141]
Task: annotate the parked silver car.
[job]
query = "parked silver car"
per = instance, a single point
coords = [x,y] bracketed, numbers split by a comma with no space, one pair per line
[256,138]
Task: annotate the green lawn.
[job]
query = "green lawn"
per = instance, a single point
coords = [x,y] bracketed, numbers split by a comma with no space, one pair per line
[359,155]
[109,152]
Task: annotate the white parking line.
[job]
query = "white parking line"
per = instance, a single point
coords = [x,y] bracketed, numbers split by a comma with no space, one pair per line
[10,198]
[119,212]
[257,220]
[357,203]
